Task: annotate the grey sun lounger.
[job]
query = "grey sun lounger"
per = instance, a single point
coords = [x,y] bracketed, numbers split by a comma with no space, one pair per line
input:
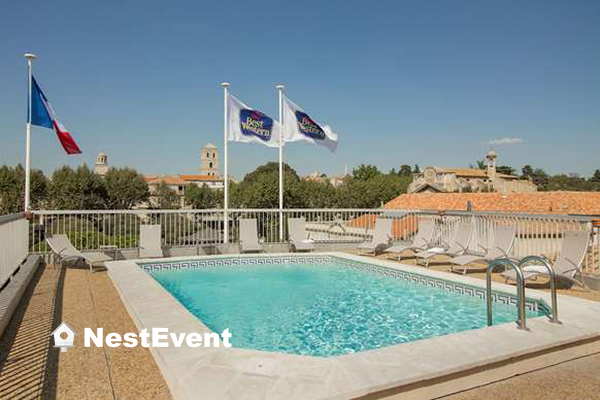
[504,237]
[568,264]
[382,235]
[249,236]
[65,251]
[421,241]
[299,238]
[458,246]
[150,242]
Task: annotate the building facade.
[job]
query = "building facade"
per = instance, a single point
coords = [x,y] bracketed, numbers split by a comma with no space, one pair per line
[457,180]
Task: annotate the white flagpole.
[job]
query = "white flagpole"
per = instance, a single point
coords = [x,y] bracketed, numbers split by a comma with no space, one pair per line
[280,89]
[226,166]
[30,57]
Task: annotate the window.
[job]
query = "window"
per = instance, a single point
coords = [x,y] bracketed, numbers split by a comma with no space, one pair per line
[210,165]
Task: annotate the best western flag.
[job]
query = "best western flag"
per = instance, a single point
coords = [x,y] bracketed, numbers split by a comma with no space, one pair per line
[249,125]
[297,125]
[42,114]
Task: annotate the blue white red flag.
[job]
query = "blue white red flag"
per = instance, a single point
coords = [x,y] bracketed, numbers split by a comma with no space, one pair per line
[42,114]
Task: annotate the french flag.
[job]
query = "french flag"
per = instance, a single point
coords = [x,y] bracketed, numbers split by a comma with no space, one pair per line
[42,114]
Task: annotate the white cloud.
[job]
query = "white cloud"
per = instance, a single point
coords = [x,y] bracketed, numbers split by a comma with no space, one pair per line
[505,141]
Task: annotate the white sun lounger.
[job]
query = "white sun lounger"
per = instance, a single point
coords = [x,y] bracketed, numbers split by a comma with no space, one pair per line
[150,242]
[299,238]
[65,251]
[458,247]
[568,264]
[504,237]
[420,242]
[382,235]
[249,236]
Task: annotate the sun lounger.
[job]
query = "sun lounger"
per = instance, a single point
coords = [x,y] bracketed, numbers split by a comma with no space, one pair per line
[568,264]
[504,237]
[458,247]
[299,238]
[382,235]
[150,242]
[420,242]
[61,246]
[249,236]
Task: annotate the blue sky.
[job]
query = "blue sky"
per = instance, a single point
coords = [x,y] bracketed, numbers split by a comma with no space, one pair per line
[401,82]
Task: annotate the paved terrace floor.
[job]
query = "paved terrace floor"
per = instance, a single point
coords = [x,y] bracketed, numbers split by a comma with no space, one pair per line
[31,368]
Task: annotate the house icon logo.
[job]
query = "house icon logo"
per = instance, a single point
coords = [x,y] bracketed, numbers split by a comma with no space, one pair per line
[63,331]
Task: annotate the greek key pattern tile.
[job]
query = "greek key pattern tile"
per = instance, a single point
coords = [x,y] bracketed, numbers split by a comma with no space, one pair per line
[503,298]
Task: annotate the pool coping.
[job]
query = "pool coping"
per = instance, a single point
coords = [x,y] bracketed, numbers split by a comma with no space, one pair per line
[236,373]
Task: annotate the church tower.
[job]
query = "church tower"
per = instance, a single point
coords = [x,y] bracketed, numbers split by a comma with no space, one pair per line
[101,166]
[209,161]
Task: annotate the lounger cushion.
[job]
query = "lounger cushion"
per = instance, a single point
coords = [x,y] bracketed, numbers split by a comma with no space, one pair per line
[95,257]
[466,259]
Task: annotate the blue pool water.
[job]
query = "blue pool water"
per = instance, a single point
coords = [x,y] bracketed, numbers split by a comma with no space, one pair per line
[322,310]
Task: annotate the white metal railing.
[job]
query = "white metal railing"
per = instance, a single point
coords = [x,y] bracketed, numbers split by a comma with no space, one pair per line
[14,244]
[536,234]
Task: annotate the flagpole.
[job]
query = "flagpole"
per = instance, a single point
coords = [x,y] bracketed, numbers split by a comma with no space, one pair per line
[30,57]
[280,89]
[225,86]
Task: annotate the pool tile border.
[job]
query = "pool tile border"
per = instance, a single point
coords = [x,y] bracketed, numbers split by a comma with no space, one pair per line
[454,287]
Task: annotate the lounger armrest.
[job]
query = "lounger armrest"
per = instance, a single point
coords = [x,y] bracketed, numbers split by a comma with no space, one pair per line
[484,248]
[575,266]
[464,248]
[502,251]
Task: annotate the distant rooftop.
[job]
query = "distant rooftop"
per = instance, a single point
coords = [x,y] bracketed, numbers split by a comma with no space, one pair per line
[560,202]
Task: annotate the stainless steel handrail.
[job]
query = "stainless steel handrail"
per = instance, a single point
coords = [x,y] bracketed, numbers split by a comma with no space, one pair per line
[521,324]
[546,263]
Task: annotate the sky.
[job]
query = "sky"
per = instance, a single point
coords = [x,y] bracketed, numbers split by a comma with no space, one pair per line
[401,82]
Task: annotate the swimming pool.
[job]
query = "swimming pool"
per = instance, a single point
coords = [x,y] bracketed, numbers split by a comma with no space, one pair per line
[325,305]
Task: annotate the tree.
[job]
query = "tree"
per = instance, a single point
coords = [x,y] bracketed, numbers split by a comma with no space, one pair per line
[405,170]
[166,198]
[125,188]
[12,189]
[596,176]
[505,169]
[417,170]
[365,172]
[78,189]
[527,171]
[200,197]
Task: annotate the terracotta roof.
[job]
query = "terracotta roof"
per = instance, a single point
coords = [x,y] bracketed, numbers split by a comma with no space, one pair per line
[168,179]
[200,178]
[579,203]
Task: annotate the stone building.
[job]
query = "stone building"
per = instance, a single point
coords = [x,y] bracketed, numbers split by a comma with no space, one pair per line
[456,180]
[101,166]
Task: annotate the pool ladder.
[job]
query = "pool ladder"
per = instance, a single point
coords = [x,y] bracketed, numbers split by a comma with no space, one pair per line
[521,323]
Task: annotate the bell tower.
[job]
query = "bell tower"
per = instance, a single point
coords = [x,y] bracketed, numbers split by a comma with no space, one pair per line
[209,161]
[101,166]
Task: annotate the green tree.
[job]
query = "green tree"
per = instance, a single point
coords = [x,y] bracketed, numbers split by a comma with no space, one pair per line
[78,189]
[166,198]
[417,170]
[365,172]
[405,170]
[12,189]
[596,176]
[200,197]
[505,169]
[527,171]
[125,188]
